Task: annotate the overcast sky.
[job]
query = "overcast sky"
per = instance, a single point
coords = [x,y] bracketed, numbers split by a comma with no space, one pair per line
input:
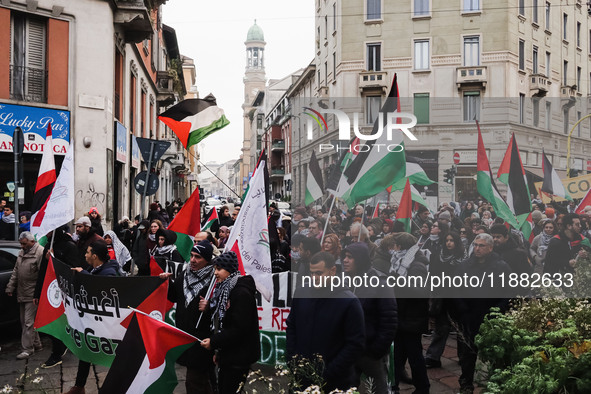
[213,35]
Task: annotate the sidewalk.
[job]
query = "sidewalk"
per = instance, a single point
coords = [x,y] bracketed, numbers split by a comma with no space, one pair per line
[60,378]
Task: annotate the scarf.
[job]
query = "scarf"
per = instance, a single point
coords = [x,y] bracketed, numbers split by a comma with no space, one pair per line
[434,237]
[402,259]
[195,281]
[448,258]
[152,237]
[544,242]
[121,253]
[166,249]
[9,218]
[219,301]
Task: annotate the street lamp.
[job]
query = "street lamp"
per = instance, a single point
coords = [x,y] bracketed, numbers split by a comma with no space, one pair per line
[568,144]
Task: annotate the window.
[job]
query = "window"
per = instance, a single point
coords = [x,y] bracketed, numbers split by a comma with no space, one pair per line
[565,120]
[472,51]
[28,75]
[521,108]
[132,103]
[152,131]
[565,73]
[579,34]
[471,106]
[522,7]
[334,17]
[421,7]
[421,106]
[564,26]
[579,116]
[579,71]
[548,67]
[548,115]
[422,55]
[535,11]
[334,66]
[374,9]
[521,55]
[536,108]
[372,108]
[374,62]
[325,27]
[118,107]
[535,60]
[471,5]
[143,115]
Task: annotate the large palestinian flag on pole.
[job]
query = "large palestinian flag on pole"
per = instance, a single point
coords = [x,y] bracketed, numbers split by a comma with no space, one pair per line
[552,183]
[194,119]
[211,221]
[314,183]
[89,313]
[145,361]
[382,163]
[512,174]
[486,185]
[45,183]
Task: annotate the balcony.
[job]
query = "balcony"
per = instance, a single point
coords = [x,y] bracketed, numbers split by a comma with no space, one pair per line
[568,96]
[165,87]
[134,17]
[539,85]
[471,76]
[28,84]
[277,145]
[277,171]
[373,80]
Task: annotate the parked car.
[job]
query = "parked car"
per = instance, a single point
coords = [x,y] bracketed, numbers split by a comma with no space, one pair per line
[9,310]
[212,202]
[284,207]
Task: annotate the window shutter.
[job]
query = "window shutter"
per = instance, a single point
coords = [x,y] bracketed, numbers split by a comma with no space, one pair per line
[35,58]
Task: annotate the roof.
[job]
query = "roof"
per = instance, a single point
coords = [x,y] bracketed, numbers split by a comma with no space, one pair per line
[255,33]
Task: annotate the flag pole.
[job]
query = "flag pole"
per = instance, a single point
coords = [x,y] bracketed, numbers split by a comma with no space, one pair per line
[207,296]
[327,220]
[412,217]
[362,220]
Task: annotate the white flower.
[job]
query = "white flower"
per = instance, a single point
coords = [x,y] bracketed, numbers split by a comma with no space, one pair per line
[38,379]
[7,389]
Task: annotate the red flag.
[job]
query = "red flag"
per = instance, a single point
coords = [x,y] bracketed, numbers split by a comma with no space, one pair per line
[188,219]
[404,213]
[584,202]
[45,183]
[50,307]
[376,212]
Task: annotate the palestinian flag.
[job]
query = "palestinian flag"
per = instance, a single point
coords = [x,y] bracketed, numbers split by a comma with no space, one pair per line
[486,185]
[145,361]
[314,183]
[528,229]
[552,184]
[89,313]
[584,202]
[415,173]
[194,119]
[351,153]
[376,167]
[45,183]
[186,224]
[376,211]
[512,174]
[404,213]
[210,220]
[416,196]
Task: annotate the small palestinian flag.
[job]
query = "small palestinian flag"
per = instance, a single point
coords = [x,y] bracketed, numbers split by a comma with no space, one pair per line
[145,360]
[404,213]
[376,211]
[211,220]
[314,183]
[552,183]
[584,202]
[194,119]
[186,224]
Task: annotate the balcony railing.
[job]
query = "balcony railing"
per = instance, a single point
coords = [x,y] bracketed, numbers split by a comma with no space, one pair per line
[278,145]
[539,84]
[165,86]
[277,171]
[134,17]
[28,84]
[472,75]
[373,79]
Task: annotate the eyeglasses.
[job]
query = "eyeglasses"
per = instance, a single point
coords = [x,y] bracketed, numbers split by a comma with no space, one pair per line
[480,245]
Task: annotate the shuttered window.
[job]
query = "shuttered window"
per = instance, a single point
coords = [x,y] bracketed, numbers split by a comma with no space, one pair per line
[28,80]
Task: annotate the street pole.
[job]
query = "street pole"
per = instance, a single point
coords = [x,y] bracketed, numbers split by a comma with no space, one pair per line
[143,209]
[18,142]
[568,144]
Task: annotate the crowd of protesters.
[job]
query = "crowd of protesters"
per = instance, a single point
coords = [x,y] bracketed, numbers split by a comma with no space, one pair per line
[463,238]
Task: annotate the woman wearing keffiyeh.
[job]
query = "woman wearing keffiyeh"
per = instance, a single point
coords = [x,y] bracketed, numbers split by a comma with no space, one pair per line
[234,321]
[187,290]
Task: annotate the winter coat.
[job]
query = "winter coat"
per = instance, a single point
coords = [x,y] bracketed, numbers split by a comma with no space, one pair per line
[413,302]
[25,273]
[560,252]
[64,249]
[238,342]
[515,257]
[83,244]
[382,261]
[110,268]
[97,226]
[331,324]
[186,319]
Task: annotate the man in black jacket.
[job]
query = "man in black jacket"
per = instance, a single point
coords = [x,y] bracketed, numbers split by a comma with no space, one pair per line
[565,247]
[511,253]
[474,302]
[328,323]
[380,313]
[187,290]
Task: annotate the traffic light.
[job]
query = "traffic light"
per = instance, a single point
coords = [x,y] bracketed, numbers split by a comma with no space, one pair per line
[449,174]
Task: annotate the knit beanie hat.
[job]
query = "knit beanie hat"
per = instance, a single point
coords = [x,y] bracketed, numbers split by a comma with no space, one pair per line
[227,261]
[204,249]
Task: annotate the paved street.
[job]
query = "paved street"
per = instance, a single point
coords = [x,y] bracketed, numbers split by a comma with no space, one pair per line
[443,380]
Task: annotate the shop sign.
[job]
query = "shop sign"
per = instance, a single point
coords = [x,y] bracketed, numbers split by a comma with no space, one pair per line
[34,122]
[577,188]
[121,142]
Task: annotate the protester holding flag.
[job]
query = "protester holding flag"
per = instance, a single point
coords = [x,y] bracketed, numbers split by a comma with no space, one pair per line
[234,323]
[64,249]
[85,236]
[23,281]
[187,290]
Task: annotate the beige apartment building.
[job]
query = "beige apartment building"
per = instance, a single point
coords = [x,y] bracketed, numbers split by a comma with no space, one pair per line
[518,66]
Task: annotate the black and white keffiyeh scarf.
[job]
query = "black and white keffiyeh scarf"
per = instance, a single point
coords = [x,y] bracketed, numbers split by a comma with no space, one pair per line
[219,301]
[195,281]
